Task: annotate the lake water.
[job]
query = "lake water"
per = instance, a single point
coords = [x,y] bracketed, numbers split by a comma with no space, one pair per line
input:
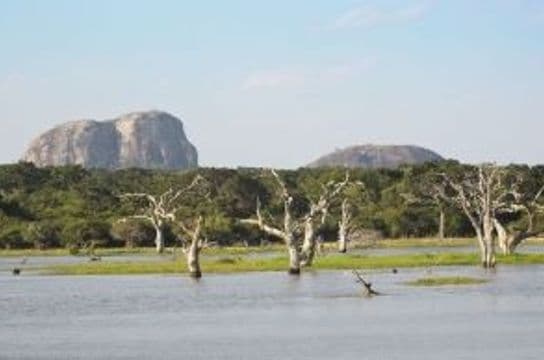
[272,316]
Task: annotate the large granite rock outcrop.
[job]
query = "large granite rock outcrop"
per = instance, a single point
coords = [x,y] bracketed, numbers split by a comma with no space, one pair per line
[151,140]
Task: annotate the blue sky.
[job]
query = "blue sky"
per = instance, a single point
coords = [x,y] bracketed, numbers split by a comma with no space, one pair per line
[278,83]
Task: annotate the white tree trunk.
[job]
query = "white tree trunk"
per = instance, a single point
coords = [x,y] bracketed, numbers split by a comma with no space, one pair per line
[442,225]
[193,260]
[503,239]
[294,260]
[490,259]
[489,242]
[344,227]
[481,245]
[309,244]
[159,239]
[342,237]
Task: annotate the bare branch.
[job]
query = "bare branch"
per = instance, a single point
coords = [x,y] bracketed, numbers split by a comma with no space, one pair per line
[284,192]
[366,284]
[260,223]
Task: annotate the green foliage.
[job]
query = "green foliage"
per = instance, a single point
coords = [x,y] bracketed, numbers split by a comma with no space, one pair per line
[48,207]
[43,235]
[133,233]
[11,236]
[81,233]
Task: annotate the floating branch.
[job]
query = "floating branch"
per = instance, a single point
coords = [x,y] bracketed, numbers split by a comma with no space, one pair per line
[367,286]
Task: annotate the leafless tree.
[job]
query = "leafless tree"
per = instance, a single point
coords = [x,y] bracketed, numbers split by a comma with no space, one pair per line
[481,194]
[160,209]
[318,212]
[301,253]
[192,244]
[286,233]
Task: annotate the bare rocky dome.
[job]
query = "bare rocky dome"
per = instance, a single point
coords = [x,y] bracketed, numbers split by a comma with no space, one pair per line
[377,156]
[151,140]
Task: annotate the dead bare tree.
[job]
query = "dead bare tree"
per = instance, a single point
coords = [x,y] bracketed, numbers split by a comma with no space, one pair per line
[301,253]
[509,239]
[288,231]
[192,245]
[193,240]
[318,212]
[160,209]
[481,194]
[287,234]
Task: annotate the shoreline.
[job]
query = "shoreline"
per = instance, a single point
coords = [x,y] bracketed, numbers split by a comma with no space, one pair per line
[403,243]
[244,265]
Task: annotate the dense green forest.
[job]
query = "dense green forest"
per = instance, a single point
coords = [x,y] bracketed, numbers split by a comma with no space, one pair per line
[71,206]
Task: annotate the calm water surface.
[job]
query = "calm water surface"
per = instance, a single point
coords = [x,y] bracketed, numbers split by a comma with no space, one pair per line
[272,316]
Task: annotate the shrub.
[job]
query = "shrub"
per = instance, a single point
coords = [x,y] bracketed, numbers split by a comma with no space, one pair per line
[133,233]
[12,237]
[85,233]
[42,235]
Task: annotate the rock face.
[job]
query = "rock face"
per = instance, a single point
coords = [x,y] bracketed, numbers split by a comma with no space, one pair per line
[152,140]
[377,156]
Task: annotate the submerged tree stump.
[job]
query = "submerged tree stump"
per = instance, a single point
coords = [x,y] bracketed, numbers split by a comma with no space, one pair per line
[367,286]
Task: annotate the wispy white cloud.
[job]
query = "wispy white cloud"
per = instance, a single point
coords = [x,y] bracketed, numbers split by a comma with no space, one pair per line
[306,76]
[368,16]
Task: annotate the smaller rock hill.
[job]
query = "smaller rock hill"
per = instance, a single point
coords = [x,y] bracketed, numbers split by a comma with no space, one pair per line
[377,156]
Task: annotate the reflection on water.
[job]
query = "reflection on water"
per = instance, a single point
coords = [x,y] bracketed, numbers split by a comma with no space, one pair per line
[271,316]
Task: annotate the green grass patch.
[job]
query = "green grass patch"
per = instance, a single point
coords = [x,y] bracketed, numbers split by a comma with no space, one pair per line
[248,264]
[242,250]
[82,253]
[446,280]
[425,242]
[234,250]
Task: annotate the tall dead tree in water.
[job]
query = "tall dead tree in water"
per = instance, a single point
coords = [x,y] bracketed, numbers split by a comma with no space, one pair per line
[192,244]
[481,194]
[159,209]
[301,252]
[318,212]
[192,227]
[287,232]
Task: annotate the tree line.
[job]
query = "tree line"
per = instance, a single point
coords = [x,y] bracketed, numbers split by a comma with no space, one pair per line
[77,208]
